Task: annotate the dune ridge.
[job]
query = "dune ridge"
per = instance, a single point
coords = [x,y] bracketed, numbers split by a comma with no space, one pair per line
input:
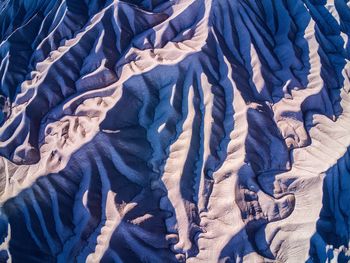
[174,131]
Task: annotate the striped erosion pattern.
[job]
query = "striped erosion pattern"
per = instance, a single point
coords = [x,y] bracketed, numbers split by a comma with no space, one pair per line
[174,131]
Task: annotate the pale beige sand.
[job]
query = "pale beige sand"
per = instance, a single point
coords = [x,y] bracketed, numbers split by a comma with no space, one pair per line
[174,131]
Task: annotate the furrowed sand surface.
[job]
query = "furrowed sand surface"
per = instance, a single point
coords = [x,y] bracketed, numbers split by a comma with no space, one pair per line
[174,131]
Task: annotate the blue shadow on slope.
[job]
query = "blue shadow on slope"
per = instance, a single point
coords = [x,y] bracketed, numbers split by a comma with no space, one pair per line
[331,240]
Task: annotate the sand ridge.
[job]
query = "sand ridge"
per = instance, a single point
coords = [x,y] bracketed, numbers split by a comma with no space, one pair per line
[174,131]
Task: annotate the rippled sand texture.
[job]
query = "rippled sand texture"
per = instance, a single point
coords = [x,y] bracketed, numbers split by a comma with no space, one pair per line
[174,131]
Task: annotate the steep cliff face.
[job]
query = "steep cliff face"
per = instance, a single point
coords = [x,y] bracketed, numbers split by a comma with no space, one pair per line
[174,131]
